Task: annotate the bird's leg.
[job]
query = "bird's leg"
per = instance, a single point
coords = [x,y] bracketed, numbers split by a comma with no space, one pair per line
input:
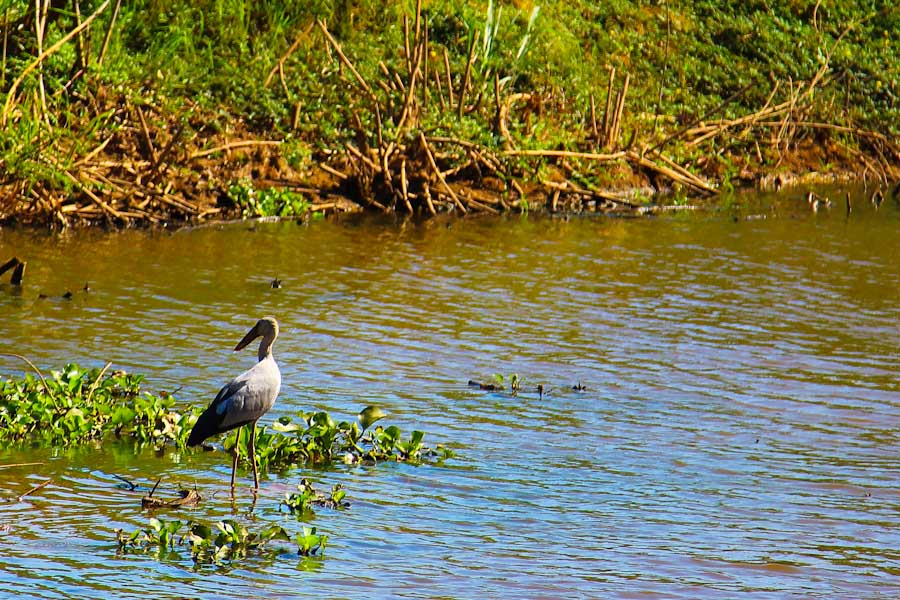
[237,446]
[253,454]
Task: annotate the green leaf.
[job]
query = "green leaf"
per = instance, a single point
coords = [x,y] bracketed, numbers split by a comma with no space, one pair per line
[285,427]
[370,415]
[275,533]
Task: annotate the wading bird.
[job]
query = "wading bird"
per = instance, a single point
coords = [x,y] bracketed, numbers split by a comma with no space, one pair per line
[245,398]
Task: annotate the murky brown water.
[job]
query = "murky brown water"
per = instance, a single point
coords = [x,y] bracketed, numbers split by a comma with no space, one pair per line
[740,432]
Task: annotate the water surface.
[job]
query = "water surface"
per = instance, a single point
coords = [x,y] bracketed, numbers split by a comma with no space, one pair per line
[739,432]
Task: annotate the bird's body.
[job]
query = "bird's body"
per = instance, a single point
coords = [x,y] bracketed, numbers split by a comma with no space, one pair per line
[247,397]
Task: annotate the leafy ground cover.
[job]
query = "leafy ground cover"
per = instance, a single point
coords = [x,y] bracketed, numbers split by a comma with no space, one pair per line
[148,112]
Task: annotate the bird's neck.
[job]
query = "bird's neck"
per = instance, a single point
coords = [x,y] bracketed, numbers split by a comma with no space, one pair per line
[265,349]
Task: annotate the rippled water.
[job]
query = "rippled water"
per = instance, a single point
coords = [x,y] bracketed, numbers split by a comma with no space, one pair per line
[739,434]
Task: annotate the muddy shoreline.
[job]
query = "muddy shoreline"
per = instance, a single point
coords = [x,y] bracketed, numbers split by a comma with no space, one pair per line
[166,177]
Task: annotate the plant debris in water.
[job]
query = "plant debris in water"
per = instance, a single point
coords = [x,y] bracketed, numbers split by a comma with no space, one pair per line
[185,498]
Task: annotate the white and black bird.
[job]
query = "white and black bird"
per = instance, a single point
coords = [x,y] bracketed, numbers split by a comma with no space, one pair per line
[245,398]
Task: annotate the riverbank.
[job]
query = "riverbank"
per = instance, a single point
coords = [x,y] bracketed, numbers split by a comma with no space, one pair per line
[134,116]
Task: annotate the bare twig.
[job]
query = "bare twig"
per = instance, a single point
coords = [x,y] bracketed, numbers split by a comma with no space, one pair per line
[97,382]
[447,73]
[344,59]
[81,58]
[146,133]
[407,53]
[5,43]
[708,114]
[437,171]
[607,112]
[30,364]
[35,488]
[567,154]
[155,165]
[333,171]
[287,55]
[404,186]
[691,181]
[503,114]
[427,193]
[232,146]
[109,30]
[465,82]
[617,116]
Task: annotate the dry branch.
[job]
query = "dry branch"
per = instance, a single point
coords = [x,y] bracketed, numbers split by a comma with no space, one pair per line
[232,146]
[278,65]
[35,488]
[691,181]
[33,368]
[344,59]
[437,172]
[568,154]
[11,94]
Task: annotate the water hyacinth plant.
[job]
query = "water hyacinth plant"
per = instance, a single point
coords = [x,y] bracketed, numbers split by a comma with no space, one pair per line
[316,439]
[266,202]
[301,503]
[75,405]
[227,542]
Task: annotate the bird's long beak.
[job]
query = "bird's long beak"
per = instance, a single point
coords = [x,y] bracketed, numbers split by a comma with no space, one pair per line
[251,335]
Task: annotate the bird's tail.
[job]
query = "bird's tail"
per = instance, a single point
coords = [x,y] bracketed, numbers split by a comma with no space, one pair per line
[206,426]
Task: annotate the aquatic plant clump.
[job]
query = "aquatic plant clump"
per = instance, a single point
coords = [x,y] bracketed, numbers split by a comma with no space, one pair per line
[307,496]
[227,542]
[318,440]
[76,405]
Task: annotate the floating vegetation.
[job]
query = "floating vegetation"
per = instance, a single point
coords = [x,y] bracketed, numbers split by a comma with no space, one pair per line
[185,498]
[307,497]
[227,542]
[266,202]
[513,382]
[317,439]
[309,542]
[75,405]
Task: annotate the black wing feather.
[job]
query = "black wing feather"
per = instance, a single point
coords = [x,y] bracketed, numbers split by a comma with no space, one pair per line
[210,422]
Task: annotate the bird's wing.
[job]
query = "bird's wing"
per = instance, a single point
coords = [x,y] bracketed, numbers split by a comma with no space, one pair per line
[242,400]
[213,419]
[225,399]
[246,398]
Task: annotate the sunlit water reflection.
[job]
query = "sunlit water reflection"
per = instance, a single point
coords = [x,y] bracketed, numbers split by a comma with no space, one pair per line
[740,430]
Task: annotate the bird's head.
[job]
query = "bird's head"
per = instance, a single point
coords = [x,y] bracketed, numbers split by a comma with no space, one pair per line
[267,327]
